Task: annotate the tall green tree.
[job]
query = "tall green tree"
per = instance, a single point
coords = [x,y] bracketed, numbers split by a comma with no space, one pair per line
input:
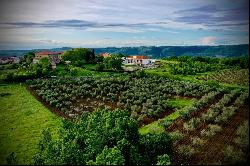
[113,63]
[79,55]
[27,58]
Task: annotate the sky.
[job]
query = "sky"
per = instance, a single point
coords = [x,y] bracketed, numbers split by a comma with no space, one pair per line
[29,24]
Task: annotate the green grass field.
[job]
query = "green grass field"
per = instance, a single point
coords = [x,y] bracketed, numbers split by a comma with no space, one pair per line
[154,127]
[180,102]
[22,120]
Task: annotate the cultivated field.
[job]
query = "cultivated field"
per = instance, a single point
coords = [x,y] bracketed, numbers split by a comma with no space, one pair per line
[201,105]
[207,124]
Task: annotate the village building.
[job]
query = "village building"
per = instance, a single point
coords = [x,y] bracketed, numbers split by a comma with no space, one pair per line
[54,57]
[9,60]
[140,60]
[105,55]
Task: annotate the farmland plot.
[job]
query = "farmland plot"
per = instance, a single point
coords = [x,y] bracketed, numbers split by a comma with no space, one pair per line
[146,99]
[198,135]
[240,77]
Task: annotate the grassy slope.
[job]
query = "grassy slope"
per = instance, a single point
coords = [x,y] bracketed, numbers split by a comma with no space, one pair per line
[22,119]
[180,102]
[154,127]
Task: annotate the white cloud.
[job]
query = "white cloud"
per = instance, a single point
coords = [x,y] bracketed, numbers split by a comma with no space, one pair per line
[115,29]
[137,17]
[209,40]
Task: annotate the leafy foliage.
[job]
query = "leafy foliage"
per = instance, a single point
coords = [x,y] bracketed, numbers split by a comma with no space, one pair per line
[109,156]
[112,63]
[163,160]
[79,56]
[192,65]
[102,137]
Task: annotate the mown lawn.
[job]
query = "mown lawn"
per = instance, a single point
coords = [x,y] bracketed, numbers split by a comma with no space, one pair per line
[22,120]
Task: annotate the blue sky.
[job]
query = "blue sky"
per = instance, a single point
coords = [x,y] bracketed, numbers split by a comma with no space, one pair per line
[28,24]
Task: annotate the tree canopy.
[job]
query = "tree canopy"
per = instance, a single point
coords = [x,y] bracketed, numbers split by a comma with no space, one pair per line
[79,55]
[113,63]
[102,138]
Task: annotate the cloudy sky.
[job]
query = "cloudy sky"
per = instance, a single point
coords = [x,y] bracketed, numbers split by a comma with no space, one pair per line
[28,24]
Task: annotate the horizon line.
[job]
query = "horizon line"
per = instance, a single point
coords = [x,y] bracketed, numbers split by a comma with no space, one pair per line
[129,46]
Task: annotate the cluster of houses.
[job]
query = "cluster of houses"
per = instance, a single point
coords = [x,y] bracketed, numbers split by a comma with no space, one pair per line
[54,57]
[139,60]
[134,60]
[9,60]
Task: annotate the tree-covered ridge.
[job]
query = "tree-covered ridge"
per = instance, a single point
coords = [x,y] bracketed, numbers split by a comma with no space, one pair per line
[165,51]
[158,52]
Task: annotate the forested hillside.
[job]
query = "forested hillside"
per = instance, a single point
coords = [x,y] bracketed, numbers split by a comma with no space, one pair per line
[159,52]
[165,51]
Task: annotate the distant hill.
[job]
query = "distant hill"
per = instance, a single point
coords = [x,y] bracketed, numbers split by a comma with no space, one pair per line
[22,52]
[158,52]
[165,51]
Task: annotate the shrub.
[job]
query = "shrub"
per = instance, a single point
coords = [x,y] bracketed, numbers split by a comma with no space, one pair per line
[211,131]
[163,160]
[233,156]
[242,133]
[227,112]
[196,141]
[241,100]
[176,135]
[184,114]
[186,150]
[192,124]
[165,123]
[214,128]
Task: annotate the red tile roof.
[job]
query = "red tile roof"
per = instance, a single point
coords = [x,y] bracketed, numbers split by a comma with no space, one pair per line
[105,54]
[138,57]
[48,53]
